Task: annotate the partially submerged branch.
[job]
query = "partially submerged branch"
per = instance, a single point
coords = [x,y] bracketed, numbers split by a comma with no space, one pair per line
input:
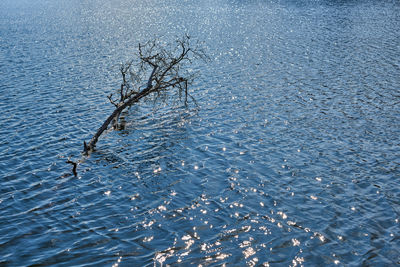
[120,107]
[166,64]
[74,166]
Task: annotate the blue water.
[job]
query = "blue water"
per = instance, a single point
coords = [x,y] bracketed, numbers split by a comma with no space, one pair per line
[290,158]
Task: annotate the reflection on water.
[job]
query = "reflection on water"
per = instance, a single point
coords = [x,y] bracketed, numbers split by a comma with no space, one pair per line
[291,157]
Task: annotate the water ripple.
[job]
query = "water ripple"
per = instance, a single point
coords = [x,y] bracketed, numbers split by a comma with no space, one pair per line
[291,157]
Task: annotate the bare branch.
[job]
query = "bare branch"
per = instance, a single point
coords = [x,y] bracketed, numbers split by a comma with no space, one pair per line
[111,101]
[74,166]
[165,62]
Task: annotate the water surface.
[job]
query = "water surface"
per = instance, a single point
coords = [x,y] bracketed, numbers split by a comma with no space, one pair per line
[290,158]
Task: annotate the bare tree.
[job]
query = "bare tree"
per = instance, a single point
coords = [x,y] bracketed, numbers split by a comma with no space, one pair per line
[165,63]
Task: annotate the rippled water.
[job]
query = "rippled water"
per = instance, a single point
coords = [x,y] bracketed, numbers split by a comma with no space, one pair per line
[291,158]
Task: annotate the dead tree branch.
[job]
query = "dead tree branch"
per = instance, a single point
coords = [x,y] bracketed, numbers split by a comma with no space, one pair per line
[74,166]
[166,63]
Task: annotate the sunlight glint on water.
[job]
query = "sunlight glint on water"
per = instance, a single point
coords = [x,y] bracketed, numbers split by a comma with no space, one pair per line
[290,158]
